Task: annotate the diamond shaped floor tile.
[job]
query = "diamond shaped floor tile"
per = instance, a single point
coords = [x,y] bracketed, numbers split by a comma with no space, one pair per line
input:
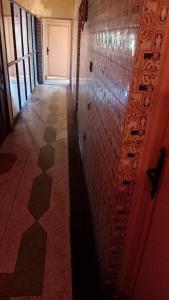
[50,134]
[46,157]
[29,272]
[40,196]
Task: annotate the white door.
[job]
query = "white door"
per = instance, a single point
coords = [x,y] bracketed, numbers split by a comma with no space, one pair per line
[57,47]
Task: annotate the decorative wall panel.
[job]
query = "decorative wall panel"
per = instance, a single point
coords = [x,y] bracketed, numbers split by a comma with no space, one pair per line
[142,98]
[122,42]
[109,42]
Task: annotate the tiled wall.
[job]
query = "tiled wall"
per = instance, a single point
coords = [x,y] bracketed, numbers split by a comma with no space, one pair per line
[142,107]
[109,41]
[123,41]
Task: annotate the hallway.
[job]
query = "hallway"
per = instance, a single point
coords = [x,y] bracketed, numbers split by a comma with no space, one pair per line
[35,257]
[84,149]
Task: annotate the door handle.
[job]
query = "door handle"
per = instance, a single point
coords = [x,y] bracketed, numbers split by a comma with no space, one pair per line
[154,175]
[48,50]
[91,66]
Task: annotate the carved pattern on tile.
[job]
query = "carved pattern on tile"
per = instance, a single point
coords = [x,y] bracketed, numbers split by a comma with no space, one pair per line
[109,42]
[126,52]
[142,96]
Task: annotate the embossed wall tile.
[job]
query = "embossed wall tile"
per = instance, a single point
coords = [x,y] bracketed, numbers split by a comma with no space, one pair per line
[124,40]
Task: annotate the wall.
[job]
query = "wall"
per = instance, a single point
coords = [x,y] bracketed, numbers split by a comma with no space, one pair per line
[124,44]
[109,41]
[76,34]
[148,113]
[49,8]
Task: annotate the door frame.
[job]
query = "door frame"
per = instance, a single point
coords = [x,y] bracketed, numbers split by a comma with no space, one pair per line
[142,208]
[55,20]
[7,97]
[5,66]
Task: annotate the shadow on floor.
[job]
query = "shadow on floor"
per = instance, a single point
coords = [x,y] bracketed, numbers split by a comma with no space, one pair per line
[86,283]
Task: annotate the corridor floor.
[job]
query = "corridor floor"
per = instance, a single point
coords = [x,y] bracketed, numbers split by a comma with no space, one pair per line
[35,256]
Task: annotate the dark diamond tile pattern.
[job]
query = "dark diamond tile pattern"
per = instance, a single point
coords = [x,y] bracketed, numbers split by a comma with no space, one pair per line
[53,108]
[52,119]
[27,279]
[46,157]
[39,201]
[50,134]
[29,271]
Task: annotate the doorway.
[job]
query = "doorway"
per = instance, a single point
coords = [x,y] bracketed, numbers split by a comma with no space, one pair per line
[57,45]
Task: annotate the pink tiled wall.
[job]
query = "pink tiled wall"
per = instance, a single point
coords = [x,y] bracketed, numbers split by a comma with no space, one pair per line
[122,41]
[108,41]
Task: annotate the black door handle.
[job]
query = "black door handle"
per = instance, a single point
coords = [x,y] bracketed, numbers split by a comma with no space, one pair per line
[91,66]
[48,50]
[155,174]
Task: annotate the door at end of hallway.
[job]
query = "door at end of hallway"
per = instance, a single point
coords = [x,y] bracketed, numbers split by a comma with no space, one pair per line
[57,48]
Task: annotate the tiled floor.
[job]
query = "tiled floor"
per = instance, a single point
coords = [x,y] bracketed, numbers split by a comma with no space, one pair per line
[34,202]
[62,82]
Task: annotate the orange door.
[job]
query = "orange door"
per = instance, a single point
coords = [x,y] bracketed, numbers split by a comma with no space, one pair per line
[58,36]
[152,282]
